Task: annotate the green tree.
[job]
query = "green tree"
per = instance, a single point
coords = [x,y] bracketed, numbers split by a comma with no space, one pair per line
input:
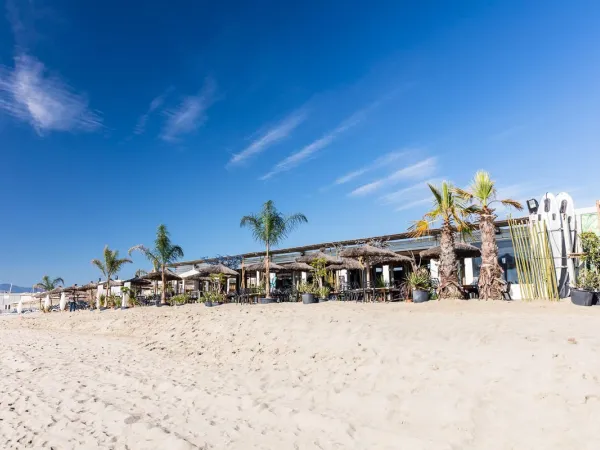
[110,265]
[483,195]
[163,254]
[47,284]
[270,227]
[453,212]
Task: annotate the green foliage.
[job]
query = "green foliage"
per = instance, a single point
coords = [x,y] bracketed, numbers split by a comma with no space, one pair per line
[318,265]
[449,207]
[323,292]
[483,193]
[589,278]
[113,301]
[133,301]
[180,299]
[380,282]
[211,296]
[47,283]
[269,226]
[307,288]
[419,279]
[110,264]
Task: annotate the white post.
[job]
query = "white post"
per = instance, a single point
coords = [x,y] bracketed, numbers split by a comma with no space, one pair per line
[20,306]
[386,274]
[98,295]
[469,278]
[47,302]
[125,298]
[63,301]
[434,268]
[304,277]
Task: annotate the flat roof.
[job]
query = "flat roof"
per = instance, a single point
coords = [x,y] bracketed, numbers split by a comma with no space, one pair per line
[305,248]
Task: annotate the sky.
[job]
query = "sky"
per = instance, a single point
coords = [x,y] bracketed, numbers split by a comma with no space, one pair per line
[116,117]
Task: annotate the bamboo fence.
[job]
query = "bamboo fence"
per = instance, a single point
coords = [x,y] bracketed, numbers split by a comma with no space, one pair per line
[534,260]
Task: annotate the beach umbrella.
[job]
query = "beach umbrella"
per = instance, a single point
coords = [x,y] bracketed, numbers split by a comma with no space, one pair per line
[260,267]
[347,264]
[462,250]
[217,269]
[367,252]
[156,275]
[297,267]
[309,258]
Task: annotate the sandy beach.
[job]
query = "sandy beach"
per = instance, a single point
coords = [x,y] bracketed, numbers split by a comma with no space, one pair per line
[442,375]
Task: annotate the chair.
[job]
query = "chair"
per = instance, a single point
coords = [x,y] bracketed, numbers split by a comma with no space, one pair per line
[506,291]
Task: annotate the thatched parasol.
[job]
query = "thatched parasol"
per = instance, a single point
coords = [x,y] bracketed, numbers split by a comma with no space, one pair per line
[368,252]
[347,264]
[297,267]
[217,269]
[461,249]
[398,259]
[260,267]
[138,281]
[156,275]
[309,258]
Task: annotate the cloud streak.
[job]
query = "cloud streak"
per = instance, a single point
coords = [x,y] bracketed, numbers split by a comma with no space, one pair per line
[306,152]
[155,104]
[273,135]
[379,162]
[408,193]
[46,102]
[189,115]
[420,170]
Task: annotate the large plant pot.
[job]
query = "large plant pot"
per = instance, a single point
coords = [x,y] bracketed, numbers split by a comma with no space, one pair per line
[266,301]
[583,298]
[420,296]
[209,304]
[307,299]
[323,300]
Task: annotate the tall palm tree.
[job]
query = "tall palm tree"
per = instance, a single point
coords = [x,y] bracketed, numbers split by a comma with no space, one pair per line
[110,265]
[270,227]
[140,273]
[163,254]
[483,194]
[453,213]
[47,284]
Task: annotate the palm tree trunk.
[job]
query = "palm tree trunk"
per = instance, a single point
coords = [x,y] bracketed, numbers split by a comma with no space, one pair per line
[163,298]
[490,275]
[449,285]
[267,275]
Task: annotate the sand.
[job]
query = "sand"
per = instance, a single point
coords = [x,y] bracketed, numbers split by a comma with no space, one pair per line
[442,375]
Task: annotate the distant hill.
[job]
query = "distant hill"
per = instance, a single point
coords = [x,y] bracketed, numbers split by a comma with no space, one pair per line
[4,287]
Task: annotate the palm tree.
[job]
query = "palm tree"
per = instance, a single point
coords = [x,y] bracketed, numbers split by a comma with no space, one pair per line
[483,194]
[163,254]
[453,212]
[110,265]
[48,284]
[270,227]
[140,273]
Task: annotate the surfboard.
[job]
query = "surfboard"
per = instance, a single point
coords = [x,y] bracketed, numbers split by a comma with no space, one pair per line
[569,229]
[550,214]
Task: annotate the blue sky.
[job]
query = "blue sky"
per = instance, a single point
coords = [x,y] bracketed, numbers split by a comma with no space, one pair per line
[118,116]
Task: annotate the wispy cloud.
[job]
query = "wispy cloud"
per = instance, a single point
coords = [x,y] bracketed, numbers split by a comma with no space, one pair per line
[155,104]
[270,137]
[414,204]
[46,102]
[506,133]
[189,114]
[382,161]
[420,170]
[408,193]
[297,158]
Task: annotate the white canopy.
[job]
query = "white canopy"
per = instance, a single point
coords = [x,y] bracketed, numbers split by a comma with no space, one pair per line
[189,273]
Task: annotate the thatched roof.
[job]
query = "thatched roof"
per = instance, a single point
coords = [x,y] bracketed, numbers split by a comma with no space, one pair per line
[310,257]
[157,276]
[390,260]
[348,264]
[88,287]
[138,281]
[462,251]
[216,269]
[367,251]
[297,267]
[261,266]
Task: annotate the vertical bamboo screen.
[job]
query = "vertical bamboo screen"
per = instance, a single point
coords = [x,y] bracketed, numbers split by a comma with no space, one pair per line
[534,260]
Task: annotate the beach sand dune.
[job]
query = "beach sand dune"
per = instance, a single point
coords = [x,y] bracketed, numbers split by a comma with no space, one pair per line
[443,375]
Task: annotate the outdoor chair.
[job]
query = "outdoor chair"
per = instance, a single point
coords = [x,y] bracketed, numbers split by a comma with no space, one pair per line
[506,291]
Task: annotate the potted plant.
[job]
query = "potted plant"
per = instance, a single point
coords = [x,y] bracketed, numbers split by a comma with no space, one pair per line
[587,290]
[308,293]
[418,282]
[323,294]
[180,299]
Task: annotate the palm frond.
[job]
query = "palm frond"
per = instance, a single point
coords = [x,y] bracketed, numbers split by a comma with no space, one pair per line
[58,280]
[512,203]
[420,227]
